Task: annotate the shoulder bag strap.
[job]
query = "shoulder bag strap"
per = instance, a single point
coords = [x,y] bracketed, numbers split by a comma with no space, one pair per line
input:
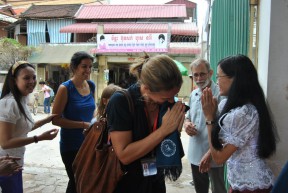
[126,93]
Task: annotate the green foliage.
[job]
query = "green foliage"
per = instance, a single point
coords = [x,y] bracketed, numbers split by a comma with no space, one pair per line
[12,51]
[9,41]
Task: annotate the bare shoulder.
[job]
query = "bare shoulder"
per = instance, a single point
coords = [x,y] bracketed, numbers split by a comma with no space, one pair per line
[62,90]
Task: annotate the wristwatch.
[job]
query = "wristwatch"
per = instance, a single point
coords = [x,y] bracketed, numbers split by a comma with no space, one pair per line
[210,122]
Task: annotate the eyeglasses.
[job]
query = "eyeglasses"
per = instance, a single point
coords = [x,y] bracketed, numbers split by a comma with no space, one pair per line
[219,76]
[201,75]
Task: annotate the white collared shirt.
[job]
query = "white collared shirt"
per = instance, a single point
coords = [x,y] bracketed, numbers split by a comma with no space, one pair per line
[198,144]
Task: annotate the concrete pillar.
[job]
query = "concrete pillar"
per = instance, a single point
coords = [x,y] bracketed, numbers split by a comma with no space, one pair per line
[101,83]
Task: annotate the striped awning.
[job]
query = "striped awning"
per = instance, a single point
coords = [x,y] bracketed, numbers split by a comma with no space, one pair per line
[188,29]
[188,51]
[184,48]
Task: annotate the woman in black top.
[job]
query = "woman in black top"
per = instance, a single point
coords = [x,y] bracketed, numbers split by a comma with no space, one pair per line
[134,135]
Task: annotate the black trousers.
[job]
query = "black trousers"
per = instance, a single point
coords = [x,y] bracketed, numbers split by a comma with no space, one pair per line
[68,158]
[202,180]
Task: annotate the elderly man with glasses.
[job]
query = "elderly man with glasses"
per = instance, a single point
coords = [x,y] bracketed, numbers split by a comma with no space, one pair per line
[202,165]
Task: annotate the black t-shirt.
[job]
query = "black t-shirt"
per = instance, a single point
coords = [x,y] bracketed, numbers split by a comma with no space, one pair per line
[121,119]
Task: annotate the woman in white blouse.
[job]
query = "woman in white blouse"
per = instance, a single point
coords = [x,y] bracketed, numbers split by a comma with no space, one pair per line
[16,121]
[244,133]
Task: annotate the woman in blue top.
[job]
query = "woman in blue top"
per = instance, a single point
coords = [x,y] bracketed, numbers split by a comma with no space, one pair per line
[74,105]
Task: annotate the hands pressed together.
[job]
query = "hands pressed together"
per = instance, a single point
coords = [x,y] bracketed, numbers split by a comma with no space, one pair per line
[209,104]
[173,118]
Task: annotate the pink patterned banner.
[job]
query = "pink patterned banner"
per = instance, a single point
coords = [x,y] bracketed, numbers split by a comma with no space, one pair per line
[132,43]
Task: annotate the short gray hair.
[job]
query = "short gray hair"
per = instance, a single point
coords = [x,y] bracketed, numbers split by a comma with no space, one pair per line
[199,61]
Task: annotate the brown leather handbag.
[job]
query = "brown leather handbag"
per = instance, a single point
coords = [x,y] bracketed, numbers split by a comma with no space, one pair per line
[96,166]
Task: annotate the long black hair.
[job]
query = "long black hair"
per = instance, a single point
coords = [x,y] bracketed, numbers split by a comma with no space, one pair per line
[244,89]
[10,85]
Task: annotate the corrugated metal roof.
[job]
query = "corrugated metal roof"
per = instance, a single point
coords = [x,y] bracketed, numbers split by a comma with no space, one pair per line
[80,28]
[51,11]
[131,11]
[7,18]
[184,48]
[131,28]
[27,3]
[184,51]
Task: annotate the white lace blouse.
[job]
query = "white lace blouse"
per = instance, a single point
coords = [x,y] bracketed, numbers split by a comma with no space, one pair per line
[245,170]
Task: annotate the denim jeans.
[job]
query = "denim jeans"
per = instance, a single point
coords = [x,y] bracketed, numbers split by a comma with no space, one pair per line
[47,105]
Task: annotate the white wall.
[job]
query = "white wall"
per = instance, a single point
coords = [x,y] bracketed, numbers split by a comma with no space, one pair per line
[273,69]
[263,47]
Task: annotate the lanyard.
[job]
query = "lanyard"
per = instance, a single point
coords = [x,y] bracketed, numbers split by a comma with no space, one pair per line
[155,121]
[154,126]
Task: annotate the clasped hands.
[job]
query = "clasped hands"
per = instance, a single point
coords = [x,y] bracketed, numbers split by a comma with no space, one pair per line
[9,166]
[173,118]
[209,104]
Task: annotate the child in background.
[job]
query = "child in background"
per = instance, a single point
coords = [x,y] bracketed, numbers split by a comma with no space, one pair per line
[46,90]
[106,94]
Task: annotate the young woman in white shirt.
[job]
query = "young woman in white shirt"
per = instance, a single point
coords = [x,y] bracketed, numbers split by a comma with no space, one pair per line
[16,121]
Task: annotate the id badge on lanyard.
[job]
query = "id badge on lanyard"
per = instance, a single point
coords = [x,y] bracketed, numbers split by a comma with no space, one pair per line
[149,167]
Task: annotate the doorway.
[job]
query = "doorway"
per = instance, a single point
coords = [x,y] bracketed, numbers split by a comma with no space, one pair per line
[119,75]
